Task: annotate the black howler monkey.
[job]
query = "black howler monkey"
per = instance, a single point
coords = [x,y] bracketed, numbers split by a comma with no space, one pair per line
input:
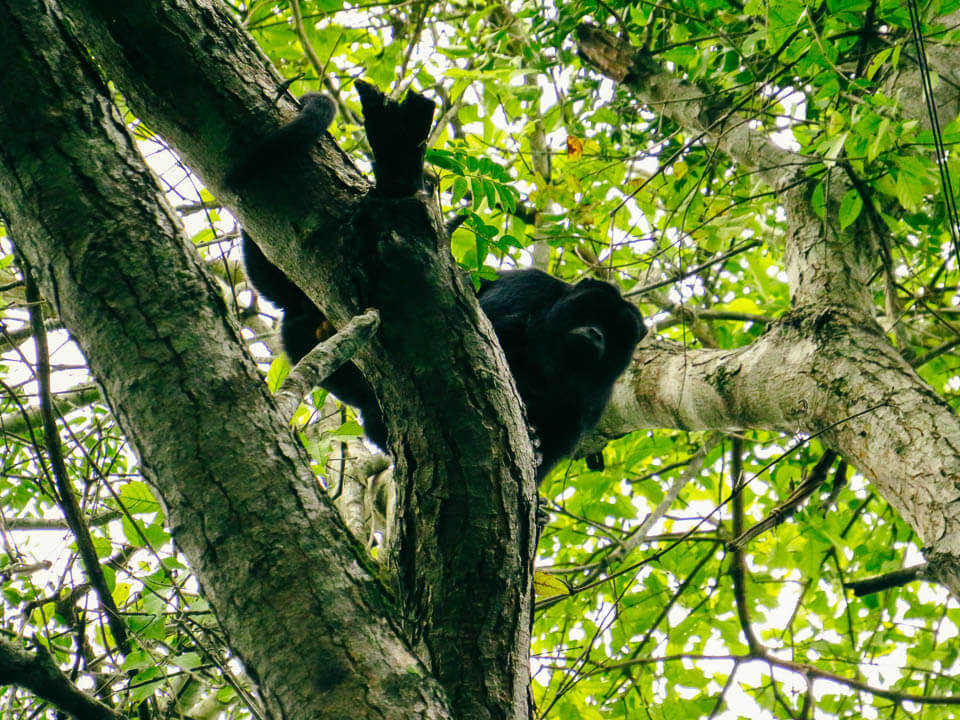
[565,344]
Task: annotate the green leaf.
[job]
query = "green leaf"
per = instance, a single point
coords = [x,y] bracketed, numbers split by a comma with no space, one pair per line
[818,201]
[279,369]
[850,208]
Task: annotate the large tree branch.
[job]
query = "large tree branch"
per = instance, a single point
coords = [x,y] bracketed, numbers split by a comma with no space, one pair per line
[824,369]
[262,538]
[831,373]
[463,458]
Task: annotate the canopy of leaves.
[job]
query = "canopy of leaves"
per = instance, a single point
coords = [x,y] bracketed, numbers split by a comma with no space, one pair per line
[556,166]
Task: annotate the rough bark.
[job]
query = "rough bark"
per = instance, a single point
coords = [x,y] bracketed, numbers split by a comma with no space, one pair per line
[463,459]
[826,368]
[262,538]
[834,375]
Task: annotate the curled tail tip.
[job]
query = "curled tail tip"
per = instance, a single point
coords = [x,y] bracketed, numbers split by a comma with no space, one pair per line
[288,141]
[320,107]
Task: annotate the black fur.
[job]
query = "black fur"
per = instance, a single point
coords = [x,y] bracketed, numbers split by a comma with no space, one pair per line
[286,142]
[303,326]
[565,344]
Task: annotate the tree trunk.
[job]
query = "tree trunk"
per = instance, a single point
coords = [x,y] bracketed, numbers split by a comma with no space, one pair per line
[464,465]
[262,538]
